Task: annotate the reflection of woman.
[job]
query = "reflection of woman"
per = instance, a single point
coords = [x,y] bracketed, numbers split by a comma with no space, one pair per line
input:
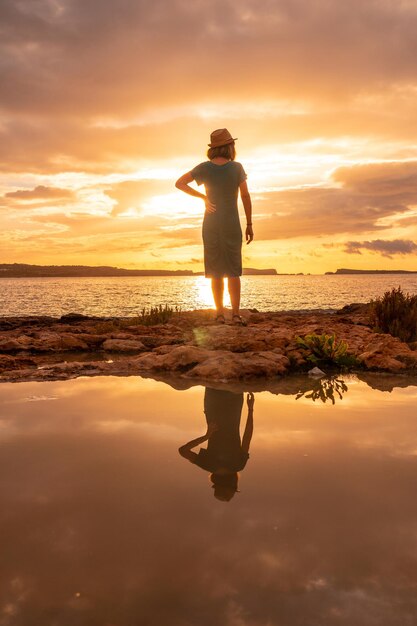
[223,178]
[226,454]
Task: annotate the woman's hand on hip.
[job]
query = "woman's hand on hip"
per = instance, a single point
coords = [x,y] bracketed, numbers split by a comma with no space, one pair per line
[249,234]
[210,207]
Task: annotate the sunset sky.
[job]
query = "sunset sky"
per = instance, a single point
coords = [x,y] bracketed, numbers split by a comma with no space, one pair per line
[103,104]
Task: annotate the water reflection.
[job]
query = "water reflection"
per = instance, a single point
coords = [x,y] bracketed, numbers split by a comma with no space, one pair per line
[103,523]
[226,453]
[325,389]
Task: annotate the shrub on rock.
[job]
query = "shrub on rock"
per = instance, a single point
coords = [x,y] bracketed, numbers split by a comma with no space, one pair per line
[395,313]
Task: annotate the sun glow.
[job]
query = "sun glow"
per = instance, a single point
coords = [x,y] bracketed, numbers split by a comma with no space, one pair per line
[204,293]
[173,206]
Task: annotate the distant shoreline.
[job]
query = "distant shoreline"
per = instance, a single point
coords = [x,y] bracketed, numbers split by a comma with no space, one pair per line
[22,270]
[350,271]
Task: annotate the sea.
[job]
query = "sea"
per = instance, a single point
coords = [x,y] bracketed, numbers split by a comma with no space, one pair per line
[127,296]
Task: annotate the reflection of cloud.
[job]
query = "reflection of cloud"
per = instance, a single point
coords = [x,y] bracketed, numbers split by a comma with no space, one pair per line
[385,248]
[322,533]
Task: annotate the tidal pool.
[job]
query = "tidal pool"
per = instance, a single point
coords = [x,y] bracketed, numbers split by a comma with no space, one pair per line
[110,515]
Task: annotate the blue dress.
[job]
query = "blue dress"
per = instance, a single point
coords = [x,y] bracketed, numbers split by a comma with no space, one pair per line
[222,235]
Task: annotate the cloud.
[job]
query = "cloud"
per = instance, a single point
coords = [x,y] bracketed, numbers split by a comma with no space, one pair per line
[379,179]
[132,193]
[91,57]
[370,197]
[91,89]
[385,248]
[41,197]
[40,193]
[113,80]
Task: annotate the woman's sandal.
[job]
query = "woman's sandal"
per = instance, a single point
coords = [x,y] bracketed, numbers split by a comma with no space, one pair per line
[237,320]
[220,319]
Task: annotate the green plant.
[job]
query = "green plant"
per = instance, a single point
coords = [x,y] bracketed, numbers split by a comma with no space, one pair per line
[326,349]
[395,313]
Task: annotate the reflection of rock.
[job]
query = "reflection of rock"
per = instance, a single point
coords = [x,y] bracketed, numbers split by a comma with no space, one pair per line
[385,381]
[191,346]
[8,362]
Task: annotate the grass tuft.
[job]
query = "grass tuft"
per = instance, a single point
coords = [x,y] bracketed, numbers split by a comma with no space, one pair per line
[157,315]
[147,317]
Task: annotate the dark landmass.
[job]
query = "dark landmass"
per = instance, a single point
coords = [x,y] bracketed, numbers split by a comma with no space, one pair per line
[191,347]
[350,271]
[252,271]
[23,270]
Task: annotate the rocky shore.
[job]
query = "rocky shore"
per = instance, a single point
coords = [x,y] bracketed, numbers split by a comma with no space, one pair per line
[191,346]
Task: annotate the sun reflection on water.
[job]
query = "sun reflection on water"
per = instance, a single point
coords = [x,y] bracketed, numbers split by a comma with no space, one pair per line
[204,294]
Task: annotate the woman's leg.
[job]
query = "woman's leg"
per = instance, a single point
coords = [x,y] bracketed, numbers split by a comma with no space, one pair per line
[233,283]
[217,287]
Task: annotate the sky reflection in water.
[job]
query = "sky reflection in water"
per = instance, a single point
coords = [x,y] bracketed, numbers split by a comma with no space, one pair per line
[104,523]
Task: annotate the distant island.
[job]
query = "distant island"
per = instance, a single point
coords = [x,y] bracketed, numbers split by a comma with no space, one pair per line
[349,271]
[23,270]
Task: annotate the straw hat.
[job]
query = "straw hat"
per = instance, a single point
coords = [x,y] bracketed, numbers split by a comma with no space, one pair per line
[220,137]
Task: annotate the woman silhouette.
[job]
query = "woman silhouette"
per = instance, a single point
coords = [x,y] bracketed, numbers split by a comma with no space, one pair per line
[223,178]
[226,454]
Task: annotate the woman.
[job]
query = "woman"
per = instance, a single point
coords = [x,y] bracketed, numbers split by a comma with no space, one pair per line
[223,178]
[226,453]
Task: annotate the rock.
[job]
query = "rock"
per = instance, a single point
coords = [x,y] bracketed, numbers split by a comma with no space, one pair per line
[75,317]
[47,341]
[121,335]
[355,307]
[71,342]
[409,359]
[178,358]
[316,372]
[11,345]
[296,358]
[123,345]
[191,346]
[240,339]
[232,366]
[383,362]
[92,341]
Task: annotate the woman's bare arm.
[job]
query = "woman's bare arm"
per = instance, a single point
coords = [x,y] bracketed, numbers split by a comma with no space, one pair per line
[186,450]
[183,184]
[247,205]
[247,435]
